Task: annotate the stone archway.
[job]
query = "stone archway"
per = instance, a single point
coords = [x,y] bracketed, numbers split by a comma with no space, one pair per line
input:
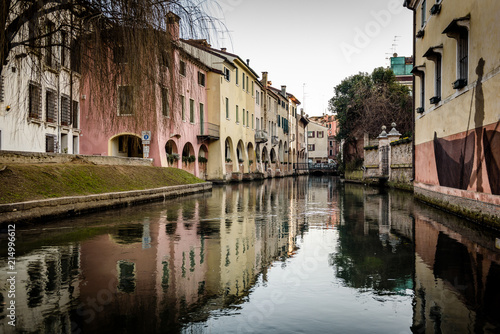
[172,154]
[252,162]
[203,161]
[188,158]
[126,145]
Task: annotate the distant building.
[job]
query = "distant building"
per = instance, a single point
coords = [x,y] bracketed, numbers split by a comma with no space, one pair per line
[457,100]
[330,122]
[317,142]
[402,67]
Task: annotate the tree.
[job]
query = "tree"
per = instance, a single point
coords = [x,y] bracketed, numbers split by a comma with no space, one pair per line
[363,103]
[23,22]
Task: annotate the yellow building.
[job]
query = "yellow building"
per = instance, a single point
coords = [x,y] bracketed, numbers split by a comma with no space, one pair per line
[457,100]
[232,93]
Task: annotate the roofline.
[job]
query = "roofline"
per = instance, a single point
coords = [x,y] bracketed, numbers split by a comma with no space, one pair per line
[208,50]
[239,59]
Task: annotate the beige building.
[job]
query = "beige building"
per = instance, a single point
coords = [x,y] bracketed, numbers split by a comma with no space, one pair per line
[317,143]
[457,119]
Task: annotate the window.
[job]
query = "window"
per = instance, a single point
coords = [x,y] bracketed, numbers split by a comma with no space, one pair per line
[51,106]
[227,108]
[278,122]
[237,76]
[201,79]
[126,276]
[50,143]
[243,80]
[463,54]
[424,13]
[310,134]
[247,83]
[257,97]
[33,33]
[422,91]
[164,59]
[64,38]
[49,44]
[252,88]
[74,111]
[237,114]
[320,134]
[125,100]
[253,125]
[437,84]
[75,56]
[65,110]
[191,110]
[247,119]
[311,147]
[243,117]
[119,55]
[164,102]
[183,108]
[182,68]
[227,74]
[202,114]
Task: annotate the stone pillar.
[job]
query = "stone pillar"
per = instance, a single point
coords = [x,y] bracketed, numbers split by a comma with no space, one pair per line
[393,135]
[383,143]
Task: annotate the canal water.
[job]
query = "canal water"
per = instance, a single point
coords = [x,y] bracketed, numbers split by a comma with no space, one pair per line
[303,255]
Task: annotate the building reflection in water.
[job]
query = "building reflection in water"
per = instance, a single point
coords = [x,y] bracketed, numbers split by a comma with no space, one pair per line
[457,276]
[180,262]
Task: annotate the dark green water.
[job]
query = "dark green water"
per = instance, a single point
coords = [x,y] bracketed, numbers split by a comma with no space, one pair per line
[305,255]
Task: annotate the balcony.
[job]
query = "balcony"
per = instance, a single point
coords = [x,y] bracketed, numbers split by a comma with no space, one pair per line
[209,131]
[274,140]
[260,136]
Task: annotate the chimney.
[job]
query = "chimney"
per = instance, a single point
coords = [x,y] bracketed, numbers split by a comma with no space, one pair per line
[173,26]
[248,62]
[223,49]
[264,79]
[283,90]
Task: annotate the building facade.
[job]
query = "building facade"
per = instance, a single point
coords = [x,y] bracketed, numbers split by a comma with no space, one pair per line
[160,121]
[317,143]
[457,127]
[39,91]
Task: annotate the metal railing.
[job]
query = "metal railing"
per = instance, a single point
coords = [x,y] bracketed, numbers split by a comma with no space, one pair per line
[315,166]
[261,136]
[209,130]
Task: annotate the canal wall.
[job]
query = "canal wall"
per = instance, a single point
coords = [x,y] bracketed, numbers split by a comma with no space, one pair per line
[16,157]
[77,205]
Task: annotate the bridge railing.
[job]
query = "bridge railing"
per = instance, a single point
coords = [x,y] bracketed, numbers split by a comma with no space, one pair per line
[315,166]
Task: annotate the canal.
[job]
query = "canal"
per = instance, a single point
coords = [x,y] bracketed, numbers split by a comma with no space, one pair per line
[303,255]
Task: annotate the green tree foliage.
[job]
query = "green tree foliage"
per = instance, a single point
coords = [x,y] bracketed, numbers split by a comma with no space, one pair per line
[363,103]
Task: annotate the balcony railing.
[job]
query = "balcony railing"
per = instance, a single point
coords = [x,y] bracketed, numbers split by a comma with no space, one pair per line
[274,140]
[260,136]
[209,131]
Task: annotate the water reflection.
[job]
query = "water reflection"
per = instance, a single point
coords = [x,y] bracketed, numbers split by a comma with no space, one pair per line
[284,255]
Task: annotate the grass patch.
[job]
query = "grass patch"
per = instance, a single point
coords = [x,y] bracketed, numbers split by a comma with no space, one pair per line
[25,182]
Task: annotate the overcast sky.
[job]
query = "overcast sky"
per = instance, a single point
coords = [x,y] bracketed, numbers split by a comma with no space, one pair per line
[312,45]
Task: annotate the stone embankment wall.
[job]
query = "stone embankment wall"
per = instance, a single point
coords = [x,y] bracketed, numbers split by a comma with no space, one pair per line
[76,205]
[392,158]
[401,169]
[15,157]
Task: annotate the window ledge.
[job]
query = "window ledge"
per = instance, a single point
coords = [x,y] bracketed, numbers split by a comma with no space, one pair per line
[35,121]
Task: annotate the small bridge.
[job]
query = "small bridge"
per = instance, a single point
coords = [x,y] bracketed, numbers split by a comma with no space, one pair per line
[317,168]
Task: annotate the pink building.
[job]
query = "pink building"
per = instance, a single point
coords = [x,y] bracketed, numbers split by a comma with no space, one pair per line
[159,118]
